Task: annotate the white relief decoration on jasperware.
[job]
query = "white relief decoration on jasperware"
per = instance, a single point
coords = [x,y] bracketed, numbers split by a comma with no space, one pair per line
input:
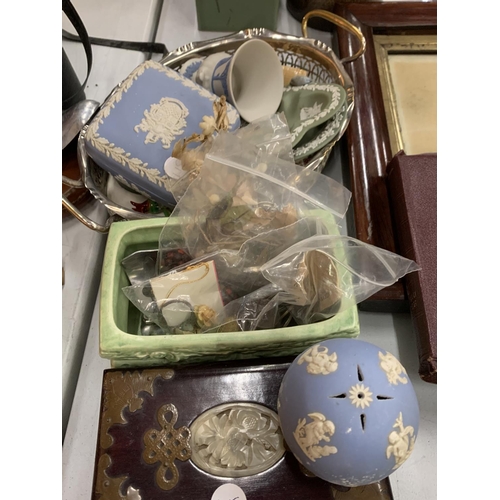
[319,362]
[401,442]
[308,436]
[309,112]
[164,121]
[327,134]
[236,440]
[360,396]
[336,95]
[394,370]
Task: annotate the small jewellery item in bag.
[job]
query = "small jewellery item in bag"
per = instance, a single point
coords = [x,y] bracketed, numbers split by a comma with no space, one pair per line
[318,282]
[324,274]
[184,301]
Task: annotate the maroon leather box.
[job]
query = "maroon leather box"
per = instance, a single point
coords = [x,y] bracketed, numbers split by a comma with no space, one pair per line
[412,184]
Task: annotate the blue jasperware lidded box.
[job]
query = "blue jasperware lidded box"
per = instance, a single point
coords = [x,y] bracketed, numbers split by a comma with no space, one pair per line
[133,134]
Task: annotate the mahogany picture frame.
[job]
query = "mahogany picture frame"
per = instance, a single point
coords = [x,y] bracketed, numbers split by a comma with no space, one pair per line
[368,140]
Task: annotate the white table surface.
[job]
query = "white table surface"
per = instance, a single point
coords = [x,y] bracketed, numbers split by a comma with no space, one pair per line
[82,248]
[416,479]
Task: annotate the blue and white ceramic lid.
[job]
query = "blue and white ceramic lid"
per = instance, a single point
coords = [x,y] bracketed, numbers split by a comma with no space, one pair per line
[135,130]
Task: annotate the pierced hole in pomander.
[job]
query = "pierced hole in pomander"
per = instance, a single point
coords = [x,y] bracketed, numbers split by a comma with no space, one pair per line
[383,398]
[360,374]
[363,421]
[338,396]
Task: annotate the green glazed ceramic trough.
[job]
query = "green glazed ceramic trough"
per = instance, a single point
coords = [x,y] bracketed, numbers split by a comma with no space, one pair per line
[120,320]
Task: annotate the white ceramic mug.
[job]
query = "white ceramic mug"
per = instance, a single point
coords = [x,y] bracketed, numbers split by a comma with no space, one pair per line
[251,79]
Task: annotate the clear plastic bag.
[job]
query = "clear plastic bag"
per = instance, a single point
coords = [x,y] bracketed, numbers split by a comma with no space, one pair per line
[268,136]
[295,273]
[314,280]
[261,309]
[173,299]
[324,275]
[140,266]
[233,200]
[184,300]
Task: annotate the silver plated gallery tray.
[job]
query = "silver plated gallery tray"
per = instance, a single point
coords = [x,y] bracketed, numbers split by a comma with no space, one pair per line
[313,56]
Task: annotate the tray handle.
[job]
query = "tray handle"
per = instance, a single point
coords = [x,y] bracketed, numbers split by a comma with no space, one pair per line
[84,219]
[338,21]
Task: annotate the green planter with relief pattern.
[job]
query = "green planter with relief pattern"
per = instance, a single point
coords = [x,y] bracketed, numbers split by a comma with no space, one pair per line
[120,320]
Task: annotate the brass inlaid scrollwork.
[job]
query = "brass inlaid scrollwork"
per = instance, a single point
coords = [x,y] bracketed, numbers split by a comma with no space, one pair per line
[165,445]
[109,488]
[121,390]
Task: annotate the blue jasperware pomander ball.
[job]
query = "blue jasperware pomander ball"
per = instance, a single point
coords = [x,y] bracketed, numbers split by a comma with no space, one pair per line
[348,412]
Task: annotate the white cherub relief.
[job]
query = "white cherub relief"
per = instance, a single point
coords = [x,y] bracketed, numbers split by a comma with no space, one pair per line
[393,368]
[309,112]
[308,436]
[318,361]
[401,442]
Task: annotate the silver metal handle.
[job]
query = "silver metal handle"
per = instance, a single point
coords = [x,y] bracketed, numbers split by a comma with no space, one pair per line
[84,219]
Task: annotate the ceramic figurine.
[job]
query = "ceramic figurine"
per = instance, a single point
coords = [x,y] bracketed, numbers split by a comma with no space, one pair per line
[348,412]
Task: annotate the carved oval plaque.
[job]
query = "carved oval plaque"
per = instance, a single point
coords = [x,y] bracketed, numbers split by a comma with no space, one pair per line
[236,440]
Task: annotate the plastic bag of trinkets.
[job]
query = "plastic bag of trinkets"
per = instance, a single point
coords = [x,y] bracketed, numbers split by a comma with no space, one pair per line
[270,136]
[189,298]
[314,280]
[233,200]
[324,275]
[264,168]
[184,300]
[264,308]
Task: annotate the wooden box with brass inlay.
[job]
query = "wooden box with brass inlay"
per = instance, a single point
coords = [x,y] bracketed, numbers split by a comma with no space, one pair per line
[156,430]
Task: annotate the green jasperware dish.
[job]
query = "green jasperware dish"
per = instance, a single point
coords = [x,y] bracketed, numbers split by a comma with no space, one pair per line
[319,140]
[120,320]
[308,106]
